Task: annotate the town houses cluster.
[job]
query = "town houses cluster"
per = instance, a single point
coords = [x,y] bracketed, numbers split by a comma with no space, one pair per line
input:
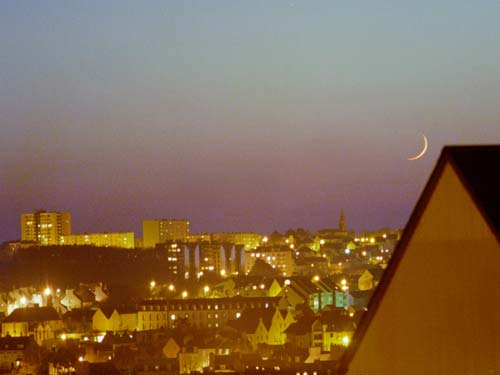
[233,301]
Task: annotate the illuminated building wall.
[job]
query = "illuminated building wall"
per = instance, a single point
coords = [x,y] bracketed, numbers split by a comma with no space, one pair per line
[45,228]
[201,312]
[175,258]
[200,237]
[195,259]
[125,240]
[250,240]
[191,259]
[160,231]
[231,259]
[279,258]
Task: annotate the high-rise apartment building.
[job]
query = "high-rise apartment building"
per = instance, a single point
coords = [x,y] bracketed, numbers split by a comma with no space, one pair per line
[164,230]
[45,228]
[195,259]
[280,258]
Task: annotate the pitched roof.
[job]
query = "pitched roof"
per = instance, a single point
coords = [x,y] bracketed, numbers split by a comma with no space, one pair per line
[32,314]
[376,272]
[338,323]
[249,319]
[473,165]
[302,326]
[84,293]
[478,169]
[79,314]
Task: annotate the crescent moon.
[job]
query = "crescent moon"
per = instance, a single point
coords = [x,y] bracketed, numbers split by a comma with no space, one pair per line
[423,150]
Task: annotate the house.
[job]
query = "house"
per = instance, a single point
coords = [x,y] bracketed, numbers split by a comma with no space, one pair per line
[42,322]
[361,298]
[299,333]
[78,320]
[200,312]
[263,325]
[195,360]
[81,297]
[257,286]
[314,292]
[370,278]
[311,265]
[17,353]
[427,315]
[300,290]
[225,288]
[114,319]
[337,330]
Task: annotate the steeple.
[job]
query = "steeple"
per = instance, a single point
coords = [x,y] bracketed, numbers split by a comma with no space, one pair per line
[342,221]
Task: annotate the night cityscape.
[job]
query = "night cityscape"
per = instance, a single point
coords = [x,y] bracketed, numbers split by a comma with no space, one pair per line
[249,187]
[174,301]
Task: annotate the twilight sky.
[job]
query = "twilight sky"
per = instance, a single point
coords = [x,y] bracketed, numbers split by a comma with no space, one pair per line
[238,115]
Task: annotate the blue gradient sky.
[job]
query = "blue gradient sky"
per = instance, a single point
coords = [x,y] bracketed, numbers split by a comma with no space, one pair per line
[239,115]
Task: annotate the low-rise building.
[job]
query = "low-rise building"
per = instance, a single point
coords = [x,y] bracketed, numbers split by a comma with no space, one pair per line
[264,325]
[114,319]
[18,354]
[43,323]
[125,240]
[200,313]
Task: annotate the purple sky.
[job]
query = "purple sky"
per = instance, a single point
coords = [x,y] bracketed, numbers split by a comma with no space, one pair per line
[238,115]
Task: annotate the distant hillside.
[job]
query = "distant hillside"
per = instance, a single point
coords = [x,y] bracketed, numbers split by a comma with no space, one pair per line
[69,265]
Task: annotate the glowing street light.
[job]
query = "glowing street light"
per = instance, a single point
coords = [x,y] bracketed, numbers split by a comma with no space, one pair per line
[152,284]
[47,291]
[184,294]
[171,287]
[206,289]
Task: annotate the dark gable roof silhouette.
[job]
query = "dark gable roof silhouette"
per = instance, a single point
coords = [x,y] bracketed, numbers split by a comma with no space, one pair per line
[250,318]
[478,170]
[32,314]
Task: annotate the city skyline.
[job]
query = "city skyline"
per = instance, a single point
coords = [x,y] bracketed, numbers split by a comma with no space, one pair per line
[237,116]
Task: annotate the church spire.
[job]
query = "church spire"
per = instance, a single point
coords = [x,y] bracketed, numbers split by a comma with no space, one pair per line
[342,221]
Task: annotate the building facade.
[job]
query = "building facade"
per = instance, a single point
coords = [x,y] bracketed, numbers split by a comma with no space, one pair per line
[279,258]
[200,313]
[250,240]
[164,230]
[195,259]
[125,240]
[45,228]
